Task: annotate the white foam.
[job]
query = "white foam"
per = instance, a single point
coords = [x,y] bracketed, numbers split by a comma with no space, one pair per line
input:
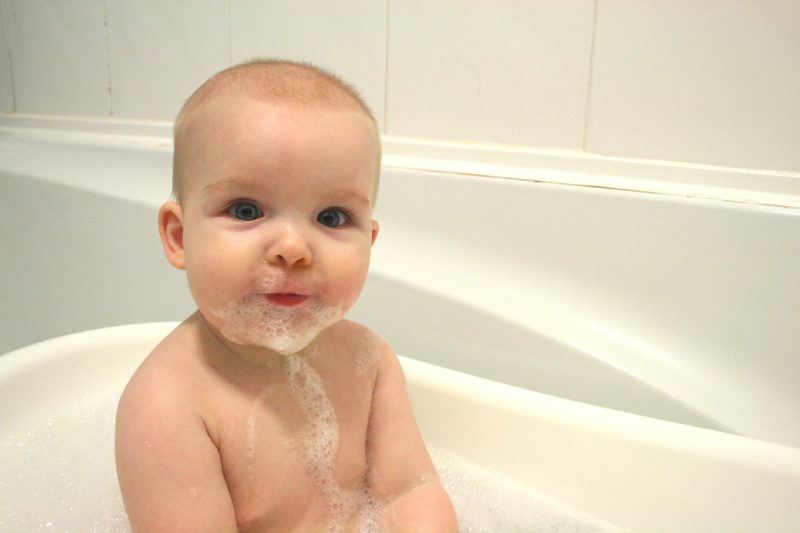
[59,475]
[251,428]
[321,443]
[254,321]
[486,501]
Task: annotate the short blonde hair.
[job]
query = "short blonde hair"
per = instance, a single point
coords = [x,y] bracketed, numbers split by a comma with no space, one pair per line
[271,80]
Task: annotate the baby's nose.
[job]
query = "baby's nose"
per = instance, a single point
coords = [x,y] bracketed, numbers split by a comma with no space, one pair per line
[290,249]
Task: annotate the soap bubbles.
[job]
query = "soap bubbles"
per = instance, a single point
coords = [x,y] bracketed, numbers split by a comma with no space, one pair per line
[59,474]
[254,321]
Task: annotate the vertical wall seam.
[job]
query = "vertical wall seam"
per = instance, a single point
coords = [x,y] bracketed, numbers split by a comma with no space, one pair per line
[588,101]
[8,17]
[386,71]
[108,59]
[230,35]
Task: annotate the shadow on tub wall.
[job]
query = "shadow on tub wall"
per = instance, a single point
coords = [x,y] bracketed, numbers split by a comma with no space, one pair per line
[452,334]
[75,260]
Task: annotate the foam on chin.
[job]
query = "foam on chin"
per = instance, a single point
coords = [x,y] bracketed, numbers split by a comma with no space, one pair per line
[255,321]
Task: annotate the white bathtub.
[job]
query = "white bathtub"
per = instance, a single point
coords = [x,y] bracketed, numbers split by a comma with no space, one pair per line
[684,309]
[635,472]
[681,309]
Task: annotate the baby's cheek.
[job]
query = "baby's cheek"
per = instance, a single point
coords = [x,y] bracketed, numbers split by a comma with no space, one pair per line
[351,285]
[210,287]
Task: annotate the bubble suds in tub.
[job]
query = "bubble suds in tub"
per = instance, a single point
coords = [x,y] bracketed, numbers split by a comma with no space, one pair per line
[59,474]
[286,330]
[321,442]
[486,501]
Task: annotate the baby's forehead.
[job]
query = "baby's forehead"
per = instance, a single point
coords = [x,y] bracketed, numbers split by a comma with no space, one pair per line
[228,110]
[228,107]
[279,84]
[231,116]
[287,87]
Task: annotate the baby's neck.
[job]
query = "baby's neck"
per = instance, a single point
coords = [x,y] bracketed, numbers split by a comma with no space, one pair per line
[253,358]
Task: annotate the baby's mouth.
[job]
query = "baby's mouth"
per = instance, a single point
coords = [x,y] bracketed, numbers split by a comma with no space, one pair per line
[287,299]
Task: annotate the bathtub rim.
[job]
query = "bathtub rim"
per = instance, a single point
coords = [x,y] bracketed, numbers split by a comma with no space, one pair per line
[555,409]
[684,180]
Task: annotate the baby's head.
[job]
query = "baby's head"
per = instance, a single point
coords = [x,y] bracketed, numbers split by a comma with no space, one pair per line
[274,81]
[275,176]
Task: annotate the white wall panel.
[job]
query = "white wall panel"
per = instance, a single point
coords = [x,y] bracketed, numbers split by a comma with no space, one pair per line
[347,37]
[6,85]
[501,72]
[713,82]
[709,82]
[59,57]
[161,51]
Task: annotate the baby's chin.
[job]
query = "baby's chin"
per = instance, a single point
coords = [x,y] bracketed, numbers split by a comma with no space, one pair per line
[254,321]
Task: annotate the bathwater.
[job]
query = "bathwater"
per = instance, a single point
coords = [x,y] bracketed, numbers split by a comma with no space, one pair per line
[58,475]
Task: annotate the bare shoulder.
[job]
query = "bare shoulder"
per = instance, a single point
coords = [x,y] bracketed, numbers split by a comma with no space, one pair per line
[167,462]
[369,351]
[362,333]
[157,382]
[157,396]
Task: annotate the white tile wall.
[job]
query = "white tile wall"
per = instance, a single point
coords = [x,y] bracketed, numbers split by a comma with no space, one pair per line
[6,86]
[347,37]
[712,82]
[501,72]
[59,56]
[159,52]
[709,82]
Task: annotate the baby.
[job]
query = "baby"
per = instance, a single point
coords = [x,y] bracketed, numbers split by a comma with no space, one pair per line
[265,410]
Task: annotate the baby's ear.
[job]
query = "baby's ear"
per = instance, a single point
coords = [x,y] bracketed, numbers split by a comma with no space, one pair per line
[375,229]
[170,228]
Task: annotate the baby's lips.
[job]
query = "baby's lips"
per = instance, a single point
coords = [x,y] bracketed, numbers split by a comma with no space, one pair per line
[287,299]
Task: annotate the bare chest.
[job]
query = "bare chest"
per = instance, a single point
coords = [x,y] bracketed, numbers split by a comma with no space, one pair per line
[293,453]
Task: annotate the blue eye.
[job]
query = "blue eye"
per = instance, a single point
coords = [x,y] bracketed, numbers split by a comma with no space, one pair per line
[333,218]
[245,211]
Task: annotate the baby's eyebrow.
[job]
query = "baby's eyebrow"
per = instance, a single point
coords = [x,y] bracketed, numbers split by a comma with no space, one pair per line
[347,195]
[231,183]
[352,196]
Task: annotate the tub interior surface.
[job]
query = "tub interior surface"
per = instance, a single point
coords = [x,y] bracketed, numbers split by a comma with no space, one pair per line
[631,471]
[678,308]
[89,258]
[75,260]
[691,304]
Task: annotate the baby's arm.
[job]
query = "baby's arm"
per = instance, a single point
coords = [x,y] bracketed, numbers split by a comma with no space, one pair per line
[402,477]
[169,468]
